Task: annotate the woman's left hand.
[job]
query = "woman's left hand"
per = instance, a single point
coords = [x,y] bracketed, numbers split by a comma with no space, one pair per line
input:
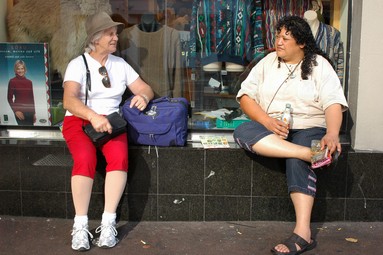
[20,115]
[332,143]
[333,115]
[139,102]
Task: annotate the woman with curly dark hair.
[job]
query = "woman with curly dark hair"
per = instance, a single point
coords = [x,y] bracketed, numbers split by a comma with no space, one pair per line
[296,73]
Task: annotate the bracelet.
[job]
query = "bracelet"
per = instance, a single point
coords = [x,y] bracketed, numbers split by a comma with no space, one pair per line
[145,97]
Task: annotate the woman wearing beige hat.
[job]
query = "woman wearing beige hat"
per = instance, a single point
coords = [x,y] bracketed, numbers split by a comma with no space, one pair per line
[110,76]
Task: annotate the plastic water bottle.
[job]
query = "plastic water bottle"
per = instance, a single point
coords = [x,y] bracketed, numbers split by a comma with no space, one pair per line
[286,116]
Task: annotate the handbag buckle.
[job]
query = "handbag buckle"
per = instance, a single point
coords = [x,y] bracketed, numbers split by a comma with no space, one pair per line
[152,112]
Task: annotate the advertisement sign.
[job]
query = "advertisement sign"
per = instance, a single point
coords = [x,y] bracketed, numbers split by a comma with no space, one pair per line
[24,88]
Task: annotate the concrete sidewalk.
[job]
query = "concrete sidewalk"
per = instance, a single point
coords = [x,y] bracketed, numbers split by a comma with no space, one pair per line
[39,236]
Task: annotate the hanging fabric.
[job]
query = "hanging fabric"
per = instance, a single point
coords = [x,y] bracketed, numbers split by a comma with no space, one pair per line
[225,31]
[274,10]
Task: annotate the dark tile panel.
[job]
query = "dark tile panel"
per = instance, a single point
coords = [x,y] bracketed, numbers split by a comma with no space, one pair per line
[269,177]
[180,171]
[138,207]
[70,212]
[99,178]
[365,175]
[332,181]
[142,172]
[10,203]
[46,177]
[224,208]
[96,206]
[9,168]
[68,178]
[328,209]
[69,171]
[44,204]
[239,187]
[180,208]
[272,209]
[230,173]
[43,179]
[364,210]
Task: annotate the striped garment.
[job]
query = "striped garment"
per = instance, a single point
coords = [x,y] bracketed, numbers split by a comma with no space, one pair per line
[329,41]
[225,31]
[274,10]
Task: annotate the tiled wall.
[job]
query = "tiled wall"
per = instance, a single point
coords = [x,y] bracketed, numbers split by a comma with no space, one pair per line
[188,184]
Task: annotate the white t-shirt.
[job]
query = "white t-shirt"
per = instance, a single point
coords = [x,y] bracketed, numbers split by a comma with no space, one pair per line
[308,98]
[100,99]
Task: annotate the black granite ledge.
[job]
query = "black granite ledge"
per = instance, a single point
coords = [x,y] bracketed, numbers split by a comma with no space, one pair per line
[187,184]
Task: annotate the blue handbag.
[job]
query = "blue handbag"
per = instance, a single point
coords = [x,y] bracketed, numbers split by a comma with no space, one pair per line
[164,122]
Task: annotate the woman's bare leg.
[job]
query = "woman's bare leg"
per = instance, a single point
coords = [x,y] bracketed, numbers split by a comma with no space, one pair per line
[303,205]
[276,147]
[115,182]
[81,193]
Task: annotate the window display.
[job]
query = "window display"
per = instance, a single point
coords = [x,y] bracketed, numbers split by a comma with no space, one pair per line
[328,39]
[197,49]
[63,27]
[154,51]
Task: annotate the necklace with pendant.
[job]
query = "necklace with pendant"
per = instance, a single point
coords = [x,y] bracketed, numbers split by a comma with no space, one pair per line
[292,74]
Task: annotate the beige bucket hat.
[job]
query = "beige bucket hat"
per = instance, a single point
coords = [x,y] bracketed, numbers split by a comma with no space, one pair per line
[100,22]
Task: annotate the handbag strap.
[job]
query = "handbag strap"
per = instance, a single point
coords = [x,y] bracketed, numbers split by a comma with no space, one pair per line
[288,76]
[88,82]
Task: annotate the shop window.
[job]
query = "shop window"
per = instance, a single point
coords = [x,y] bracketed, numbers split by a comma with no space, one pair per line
[197,49]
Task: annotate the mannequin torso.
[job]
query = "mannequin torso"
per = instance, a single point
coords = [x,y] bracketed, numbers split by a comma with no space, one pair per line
[149,23]
[312,19]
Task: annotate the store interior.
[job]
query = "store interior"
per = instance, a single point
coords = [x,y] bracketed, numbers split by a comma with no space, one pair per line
[175,46]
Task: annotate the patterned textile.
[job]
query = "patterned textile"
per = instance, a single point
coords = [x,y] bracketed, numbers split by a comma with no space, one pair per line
[329,41]
[274,10]
[225,31]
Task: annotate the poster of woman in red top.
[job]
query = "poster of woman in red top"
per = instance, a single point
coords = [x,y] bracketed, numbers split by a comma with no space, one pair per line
[24,89]
[20,95]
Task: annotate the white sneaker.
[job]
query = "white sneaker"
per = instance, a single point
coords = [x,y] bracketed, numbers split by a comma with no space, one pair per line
[108,235]
[80,238]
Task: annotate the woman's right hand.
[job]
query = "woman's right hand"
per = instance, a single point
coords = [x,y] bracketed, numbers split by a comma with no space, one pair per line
[255,112]
[140,102]
[100,123]
[276,126]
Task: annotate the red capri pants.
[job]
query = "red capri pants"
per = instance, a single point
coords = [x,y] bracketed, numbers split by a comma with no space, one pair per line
[84,152]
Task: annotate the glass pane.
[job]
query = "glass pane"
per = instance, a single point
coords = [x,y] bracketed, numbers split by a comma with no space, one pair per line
[197,49]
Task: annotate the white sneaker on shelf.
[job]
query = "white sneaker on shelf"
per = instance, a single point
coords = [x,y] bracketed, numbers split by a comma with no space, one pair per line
[108,235]
[80,238]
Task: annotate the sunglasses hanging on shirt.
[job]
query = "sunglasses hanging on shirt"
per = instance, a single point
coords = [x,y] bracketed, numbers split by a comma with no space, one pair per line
[105,80]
